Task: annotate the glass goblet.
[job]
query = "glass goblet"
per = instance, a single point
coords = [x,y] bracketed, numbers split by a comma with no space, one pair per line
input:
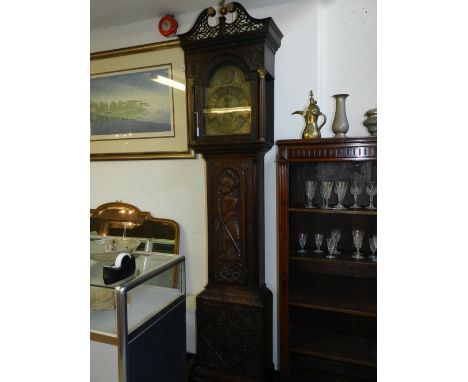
[327,187]
[318,242]
[340,190]
[358,235]
[355,189]
[374,239]
[372,248]
[336,235]
[302,242]
[331,245]
[371,190]
[310,187]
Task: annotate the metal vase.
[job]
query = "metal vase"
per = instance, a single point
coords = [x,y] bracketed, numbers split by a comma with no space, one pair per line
[340,124]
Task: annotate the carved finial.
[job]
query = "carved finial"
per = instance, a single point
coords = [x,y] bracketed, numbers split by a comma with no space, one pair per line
[222,8]
[211,11]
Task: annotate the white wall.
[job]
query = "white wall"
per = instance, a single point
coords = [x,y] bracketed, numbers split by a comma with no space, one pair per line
[329,46]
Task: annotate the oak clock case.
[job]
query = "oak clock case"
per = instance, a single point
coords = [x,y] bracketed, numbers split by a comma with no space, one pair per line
[230,77]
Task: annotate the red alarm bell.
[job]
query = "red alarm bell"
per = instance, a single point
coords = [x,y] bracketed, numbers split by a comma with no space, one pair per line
[167,26]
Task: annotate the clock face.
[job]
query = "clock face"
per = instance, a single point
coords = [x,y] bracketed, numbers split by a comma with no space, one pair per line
[228,103]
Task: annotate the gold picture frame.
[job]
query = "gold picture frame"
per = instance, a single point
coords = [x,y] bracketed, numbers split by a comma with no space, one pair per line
[172,143]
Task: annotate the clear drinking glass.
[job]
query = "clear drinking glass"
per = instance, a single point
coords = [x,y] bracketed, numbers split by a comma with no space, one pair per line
[374,239]
[310,187]
[340,189]
[372,248]
[336,235]
[326,190]
[358,235]
[371,190]
[302,242]
[318,242]
[331,245]
[355,189]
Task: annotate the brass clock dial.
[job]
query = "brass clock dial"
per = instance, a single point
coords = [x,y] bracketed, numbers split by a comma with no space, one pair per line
[228,103]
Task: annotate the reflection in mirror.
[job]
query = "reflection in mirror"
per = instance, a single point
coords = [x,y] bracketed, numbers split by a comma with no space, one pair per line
[126,220]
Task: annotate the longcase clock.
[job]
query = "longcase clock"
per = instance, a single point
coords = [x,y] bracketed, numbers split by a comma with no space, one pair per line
[229,60]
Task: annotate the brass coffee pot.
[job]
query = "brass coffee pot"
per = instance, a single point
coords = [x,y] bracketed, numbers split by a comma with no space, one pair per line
[311,116]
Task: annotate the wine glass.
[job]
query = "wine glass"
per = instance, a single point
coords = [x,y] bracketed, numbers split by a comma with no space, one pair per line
[310,187]
[373,248]
[331,245]
[374,239]
[336,235]
[371,190]
[302,242]
[327,187]
[356,189]
[318,242]
[340,189]
[358,235]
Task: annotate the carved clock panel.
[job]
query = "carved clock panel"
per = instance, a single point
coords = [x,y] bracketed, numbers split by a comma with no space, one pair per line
[234,331]
[226,199]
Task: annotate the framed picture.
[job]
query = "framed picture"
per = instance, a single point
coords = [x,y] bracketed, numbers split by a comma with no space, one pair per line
[138,105]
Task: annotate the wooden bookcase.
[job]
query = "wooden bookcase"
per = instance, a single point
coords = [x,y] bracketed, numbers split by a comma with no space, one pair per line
[327,307]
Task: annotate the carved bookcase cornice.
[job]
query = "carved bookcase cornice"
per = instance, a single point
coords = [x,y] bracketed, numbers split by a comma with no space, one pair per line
[339,149]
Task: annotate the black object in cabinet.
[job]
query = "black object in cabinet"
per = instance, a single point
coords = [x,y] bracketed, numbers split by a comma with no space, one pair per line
[327,307]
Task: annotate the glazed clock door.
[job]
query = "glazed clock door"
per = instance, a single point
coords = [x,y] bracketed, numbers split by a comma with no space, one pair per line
[228,103]
[225,108]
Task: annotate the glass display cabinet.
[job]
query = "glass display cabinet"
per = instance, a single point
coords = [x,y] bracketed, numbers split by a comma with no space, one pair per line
[138,323]
[138,330]
[327,216]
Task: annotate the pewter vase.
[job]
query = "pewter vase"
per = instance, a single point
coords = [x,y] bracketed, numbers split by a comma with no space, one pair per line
[340,124]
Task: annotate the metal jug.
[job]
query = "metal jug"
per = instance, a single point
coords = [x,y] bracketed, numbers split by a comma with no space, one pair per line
[311,116]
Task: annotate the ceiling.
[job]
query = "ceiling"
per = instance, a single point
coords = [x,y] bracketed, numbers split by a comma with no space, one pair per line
[107,13]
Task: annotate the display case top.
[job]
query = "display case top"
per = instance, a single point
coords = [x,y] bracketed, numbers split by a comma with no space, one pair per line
[147,265]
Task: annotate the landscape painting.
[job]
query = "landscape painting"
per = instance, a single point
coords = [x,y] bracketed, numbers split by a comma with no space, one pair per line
[132,104]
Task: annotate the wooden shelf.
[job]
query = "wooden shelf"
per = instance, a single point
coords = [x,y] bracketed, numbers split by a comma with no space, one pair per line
[353,350]
[343,265]
[353,212]
[333,303]
[327,302]
[308,369]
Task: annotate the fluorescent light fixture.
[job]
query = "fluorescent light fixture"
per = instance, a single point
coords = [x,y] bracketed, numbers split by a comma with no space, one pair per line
[168,82]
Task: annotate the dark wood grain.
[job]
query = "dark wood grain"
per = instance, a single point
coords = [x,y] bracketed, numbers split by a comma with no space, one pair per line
[355,350]
[333,303]
[342,265]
